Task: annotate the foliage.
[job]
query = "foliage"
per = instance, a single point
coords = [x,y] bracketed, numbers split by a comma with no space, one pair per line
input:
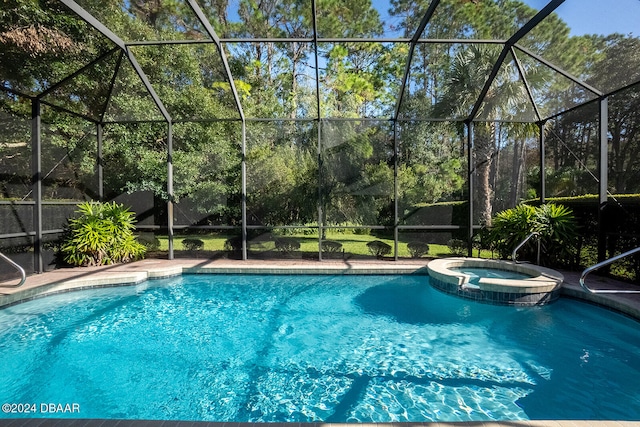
[457,247]
[418,249]
[558,232]
[555,224]
[287,244]
[192,244]
[148,240]
[233,244]
[378,248]
[101,234]
[482,240]
[510,227]
[330,246]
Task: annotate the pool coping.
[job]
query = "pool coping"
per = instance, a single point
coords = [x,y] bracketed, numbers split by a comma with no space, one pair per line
[540,286]
[39,422]
[79,278]
[65,280]
[74,279]
[542,279]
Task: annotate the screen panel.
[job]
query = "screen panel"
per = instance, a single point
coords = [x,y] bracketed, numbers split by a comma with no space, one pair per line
[68,157]
[572,153]
[190,80]
[282,173]
[15,147]
[357,172]
[358,80]
[275,80]
[432,173]
[135,169]
[207,173]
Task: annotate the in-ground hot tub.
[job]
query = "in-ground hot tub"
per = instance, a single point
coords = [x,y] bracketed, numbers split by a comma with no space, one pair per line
[481,280]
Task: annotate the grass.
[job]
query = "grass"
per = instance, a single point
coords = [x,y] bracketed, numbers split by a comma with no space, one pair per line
[353,244]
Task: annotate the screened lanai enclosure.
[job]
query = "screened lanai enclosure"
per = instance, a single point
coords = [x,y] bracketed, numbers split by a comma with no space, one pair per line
[307,128]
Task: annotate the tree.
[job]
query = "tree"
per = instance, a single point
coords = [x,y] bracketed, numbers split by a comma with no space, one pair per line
[446,81]
[469,71]
[615,67]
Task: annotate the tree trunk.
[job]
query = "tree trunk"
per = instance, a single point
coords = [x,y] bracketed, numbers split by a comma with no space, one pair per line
[483,137]
[516,169]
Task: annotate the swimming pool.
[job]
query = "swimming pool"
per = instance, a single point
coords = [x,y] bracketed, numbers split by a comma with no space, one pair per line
[477,273]
[355,348]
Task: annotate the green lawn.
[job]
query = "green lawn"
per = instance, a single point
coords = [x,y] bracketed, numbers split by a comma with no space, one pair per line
[355,244]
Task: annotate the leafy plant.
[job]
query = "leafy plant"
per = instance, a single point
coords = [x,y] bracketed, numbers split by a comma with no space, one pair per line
[510,227]
[558,232]
[192,244]
[418,249]
[233,244]
[330,246]
[457,247]
[482,240]
[287,244]
[148,240]
[378,248]
[101,234]
[555,224]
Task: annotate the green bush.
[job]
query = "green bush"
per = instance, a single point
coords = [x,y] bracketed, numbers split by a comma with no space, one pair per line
[418,249]
[287,244]
[233,244]
[482,240]
[555,224]
[512,226]
[378,248]
[149,241]
[457,247]
[329,246]
[192,244]
[558,232]
[102,234]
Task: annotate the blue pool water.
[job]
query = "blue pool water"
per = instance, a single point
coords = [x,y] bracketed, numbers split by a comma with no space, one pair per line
[477,273]
[311,348]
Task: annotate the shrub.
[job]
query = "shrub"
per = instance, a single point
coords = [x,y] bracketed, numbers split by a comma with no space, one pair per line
[510,227]
[149,241]
[556,225]
[361,231]
[418,249]
[233,244]
[233,247]
[482,240]
[378,248]
[329,246]
[558,232]
[192,244]
[457,247]
[287,244]
[102,234]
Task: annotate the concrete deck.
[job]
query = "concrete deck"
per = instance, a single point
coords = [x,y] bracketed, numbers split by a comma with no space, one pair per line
[78,278]
[85,277]
[133,423]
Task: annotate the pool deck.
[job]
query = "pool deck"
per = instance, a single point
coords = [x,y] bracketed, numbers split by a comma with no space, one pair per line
[64,280]
[132,423]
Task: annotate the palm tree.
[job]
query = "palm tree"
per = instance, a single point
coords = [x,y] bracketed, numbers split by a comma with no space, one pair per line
[505,99]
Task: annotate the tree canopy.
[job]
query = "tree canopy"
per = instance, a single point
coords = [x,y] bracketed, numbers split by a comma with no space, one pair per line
[342,119]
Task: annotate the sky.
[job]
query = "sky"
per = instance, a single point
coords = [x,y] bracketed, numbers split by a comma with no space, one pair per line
[583,16]
[598,16]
